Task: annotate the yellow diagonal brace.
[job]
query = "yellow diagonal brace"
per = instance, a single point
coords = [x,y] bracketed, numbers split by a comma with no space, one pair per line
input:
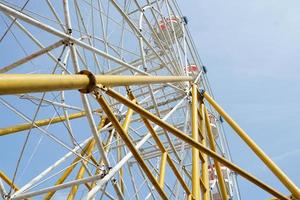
[195,151]
[220,177]
[106,149]
[163,150]
[8,181]
[43,122]
[82,168]
[69,170]
[204,164]
[162,171]
[81,171]
[130,145]
[256,149]
[169,160]
[125,127]
[192,142]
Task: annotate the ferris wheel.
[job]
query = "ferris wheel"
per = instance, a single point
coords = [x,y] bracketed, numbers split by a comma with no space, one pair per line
[105,99]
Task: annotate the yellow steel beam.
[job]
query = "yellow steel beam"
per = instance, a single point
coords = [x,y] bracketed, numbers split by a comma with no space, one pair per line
[127,118]
[169,160]
[125,126]
[8,181]
[81,171]
[162,171]
[195,151]
[68,171]
[43,122]
[256,149]
[192,142]
[162,149]
[201,131]
[107,147]
[204,164]
[112,118]
[28,83]
[220,177]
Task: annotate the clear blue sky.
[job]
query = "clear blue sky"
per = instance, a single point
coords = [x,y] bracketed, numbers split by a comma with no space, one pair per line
[251,50]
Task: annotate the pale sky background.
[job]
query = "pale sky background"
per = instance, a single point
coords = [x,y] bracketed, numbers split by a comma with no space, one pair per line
[251,50]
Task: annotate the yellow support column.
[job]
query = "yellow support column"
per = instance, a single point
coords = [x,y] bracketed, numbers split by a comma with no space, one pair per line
[176,132]
[81,171]
[130,145]
[195,151]
[204,164]
[163,150]
[125,127]
[220,177]
[256,149]
[69,170]
[106,149]
[162,171]
[169,160]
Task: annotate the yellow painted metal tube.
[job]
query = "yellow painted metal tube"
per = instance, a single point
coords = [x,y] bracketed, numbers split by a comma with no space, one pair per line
[204,164]
[128,118]
[43,122]
[162,171]
[125,126]
[81,171]
[220,177]
[192,142]
[106,149]
[28,83]
[195,151]
[112,118]
[256,149]
[8,181]
[169,160]
[69,170]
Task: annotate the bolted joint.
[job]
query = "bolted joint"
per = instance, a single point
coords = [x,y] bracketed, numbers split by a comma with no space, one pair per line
[114,181]
[189,94]
[102,88]
[189,99]
[221,119]
[201,95]
[92,82]
[67,42]
[6,196]
[97,92]
[104,170]
[69,31]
